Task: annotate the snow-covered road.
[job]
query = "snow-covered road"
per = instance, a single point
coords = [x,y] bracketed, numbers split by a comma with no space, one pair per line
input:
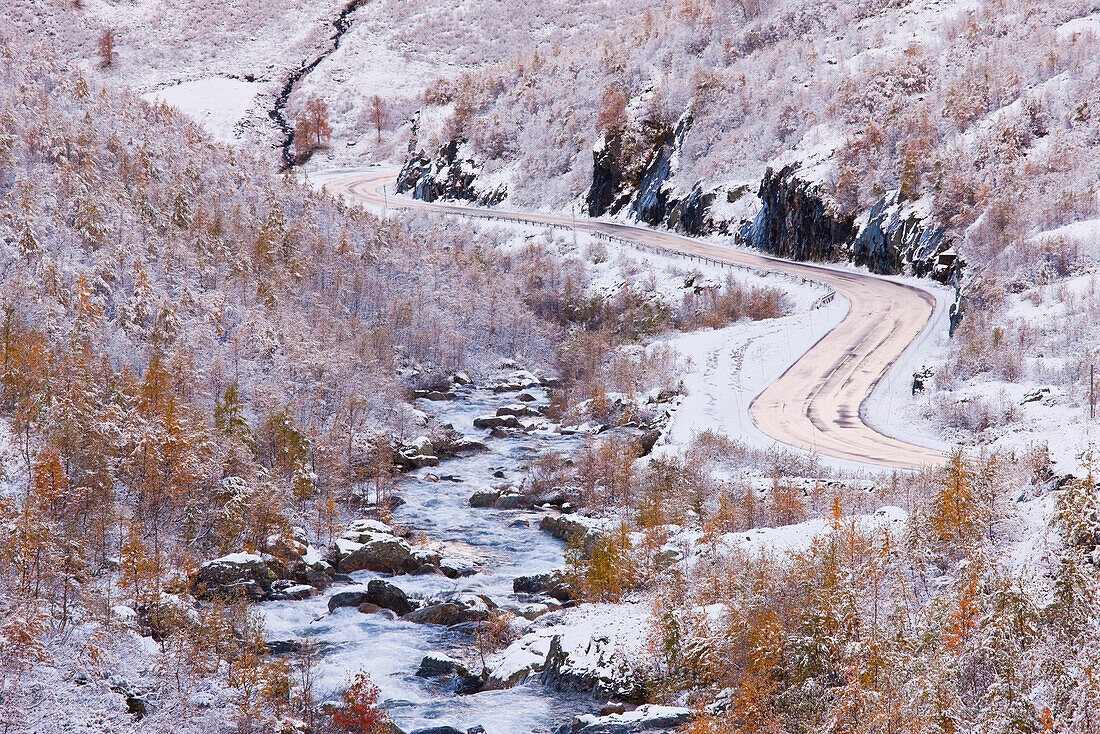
[817,403]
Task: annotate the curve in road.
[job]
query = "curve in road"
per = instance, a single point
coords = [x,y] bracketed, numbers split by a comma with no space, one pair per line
[815,404]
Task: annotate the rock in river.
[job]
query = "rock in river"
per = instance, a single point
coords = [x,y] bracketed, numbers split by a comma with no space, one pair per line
[379,592]
[382,554]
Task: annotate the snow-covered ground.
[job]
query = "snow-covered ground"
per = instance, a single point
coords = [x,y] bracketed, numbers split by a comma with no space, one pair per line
[1049,403]
[218,104]
[729,367]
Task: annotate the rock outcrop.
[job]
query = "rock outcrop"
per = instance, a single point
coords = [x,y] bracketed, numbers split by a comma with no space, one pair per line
[554,585]
[798,220]
[899,238]
[445,175]
[573,529]
[631,174]
[647,718]
[602,672]
[232,577]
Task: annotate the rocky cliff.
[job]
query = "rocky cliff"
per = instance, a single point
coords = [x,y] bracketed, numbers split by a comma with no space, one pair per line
[449,173]
[897,237]
[632,178]
[797,219]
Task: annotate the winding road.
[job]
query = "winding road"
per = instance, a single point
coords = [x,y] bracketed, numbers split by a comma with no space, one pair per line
[815,404]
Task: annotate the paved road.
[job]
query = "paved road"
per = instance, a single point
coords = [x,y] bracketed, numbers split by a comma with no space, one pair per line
[815,404]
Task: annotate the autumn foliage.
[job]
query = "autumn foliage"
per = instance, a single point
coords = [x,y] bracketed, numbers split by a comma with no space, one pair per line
[311,128]
[360,711]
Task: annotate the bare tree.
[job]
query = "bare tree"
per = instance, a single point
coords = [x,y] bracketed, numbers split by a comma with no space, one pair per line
[611,118]
[378,114]
[106,48]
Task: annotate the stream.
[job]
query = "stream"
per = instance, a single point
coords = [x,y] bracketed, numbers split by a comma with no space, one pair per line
[391,650]
[340,25]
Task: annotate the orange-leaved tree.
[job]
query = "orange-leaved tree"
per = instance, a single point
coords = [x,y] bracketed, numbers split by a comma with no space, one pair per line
[311,128]
[360,712]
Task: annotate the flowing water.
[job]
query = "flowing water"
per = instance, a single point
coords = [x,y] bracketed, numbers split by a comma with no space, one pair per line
[391,650]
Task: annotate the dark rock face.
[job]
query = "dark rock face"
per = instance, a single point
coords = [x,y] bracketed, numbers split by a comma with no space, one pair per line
[553,584]
[378,592]
[797,220]
[639,186]
[692,212]
[648,440]
[315,577]
[607,176]
[895,241]
[445,176]
[651,203]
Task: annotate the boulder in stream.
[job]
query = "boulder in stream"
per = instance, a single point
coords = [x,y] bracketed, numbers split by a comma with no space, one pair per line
[382,554]
[442,614]
[379,592]
[552,584]
[494,421]
[454,610]
[438,665]
[484,498]
[454,568]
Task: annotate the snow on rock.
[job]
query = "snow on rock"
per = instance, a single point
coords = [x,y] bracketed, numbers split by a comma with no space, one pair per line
[312,557]
[456,567]
[345,547]
[649,717]
[233,576]
[380,552]
[573,528]
[593,648]
[520,660]
[235,558]
[366,526]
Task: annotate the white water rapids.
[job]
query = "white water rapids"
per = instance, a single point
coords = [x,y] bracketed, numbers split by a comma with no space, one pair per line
[391,651]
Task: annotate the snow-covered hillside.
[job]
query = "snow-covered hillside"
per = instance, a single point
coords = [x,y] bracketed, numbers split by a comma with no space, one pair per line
[271,462]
